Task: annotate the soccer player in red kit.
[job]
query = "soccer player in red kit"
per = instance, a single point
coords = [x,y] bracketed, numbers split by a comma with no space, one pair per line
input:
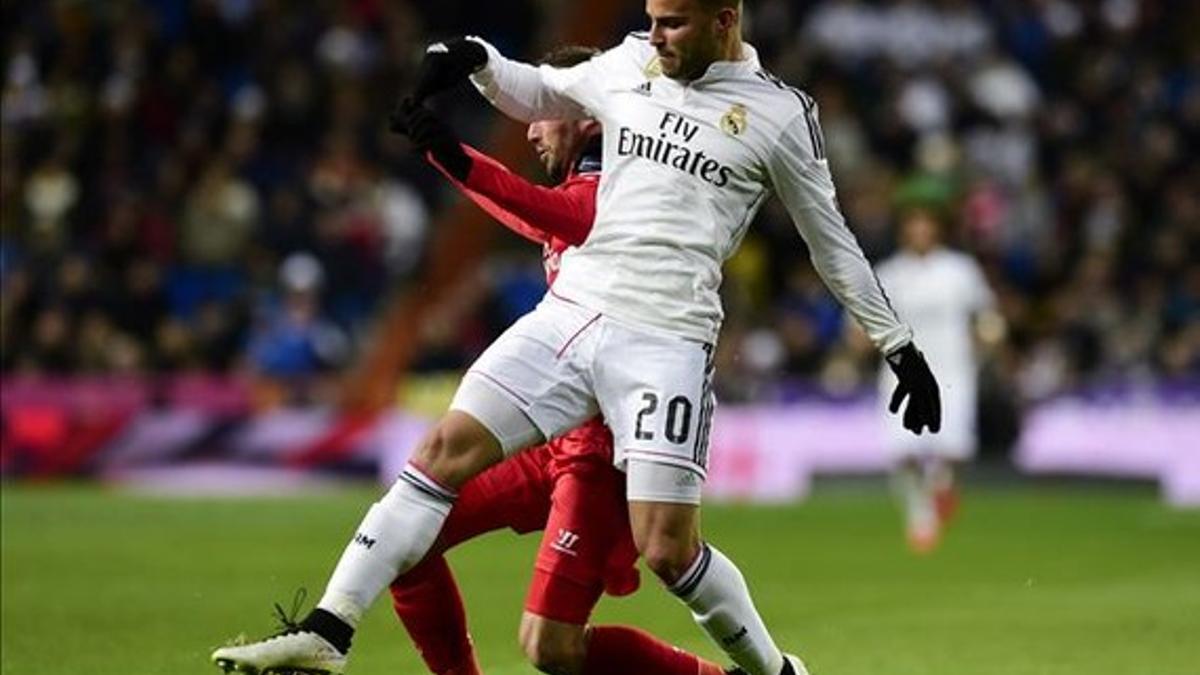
[568,487]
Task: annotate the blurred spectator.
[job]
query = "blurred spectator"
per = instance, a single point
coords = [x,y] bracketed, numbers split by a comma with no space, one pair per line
[292,340]
[160,160]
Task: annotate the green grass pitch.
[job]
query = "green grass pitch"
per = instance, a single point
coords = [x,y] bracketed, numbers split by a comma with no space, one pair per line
[1031,581]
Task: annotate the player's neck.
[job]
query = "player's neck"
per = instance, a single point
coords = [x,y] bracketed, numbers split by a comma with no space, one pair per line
[729,50]
[732,49]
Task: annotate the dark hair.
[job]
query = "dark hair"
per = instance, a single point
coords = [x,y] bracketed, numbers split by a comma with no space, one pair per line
[568,55]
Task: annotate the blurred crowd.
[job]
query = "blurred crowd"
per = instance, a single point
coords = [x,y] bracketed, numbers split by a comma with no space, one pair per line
[208,184]
[1058,140]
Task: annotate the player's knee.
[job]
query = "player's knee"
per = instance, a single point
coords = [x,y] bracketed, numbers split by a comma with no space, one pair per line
[556,652]
[667,537]
[457,448]
[669,557]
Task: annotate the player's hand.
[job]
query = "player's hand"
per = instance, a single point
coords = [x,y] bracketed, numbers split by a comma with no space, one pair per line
[917,384]
[446,64]
[430,135]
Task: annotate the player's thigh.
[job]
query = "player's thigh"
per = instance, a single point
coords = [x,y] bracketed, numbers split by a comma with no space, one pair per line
[514,493]
[655,392]
[529,385]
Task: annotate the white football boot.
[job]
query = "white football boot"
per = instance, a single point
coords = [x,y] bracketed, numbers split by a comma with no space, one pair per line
[796,664]
[297,651]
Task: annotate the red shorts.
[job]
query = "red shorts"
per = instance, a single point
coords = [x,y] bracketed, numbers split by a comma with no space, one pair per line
[570,489]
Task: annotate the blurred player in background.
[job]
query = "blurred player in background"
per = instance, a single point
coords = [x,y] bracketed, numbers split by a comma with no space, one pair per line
[568,487]
[944,296]
[697,136]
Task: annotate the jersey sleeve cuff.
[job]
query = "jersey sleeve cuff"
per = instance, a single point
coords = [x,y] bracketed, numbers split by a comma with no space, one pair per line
[484,77]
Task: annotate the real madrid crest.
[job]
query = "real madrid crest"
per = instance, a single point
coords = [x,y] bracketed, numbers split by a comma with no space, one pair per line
[734,121]
[653,69]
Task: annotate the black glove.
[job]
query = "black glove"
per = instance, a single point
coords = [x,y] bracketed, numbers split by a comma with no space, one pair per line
[446,64]
[430,134]
[917,384]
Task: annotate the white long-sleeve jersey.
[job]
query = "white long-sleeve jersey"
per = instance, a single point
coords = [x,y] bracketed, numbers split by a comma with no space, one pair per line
[686,167]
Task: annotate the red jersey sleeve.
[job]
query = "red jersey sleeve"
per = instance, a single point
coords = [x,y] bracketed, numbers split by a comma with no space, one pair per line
[537,213]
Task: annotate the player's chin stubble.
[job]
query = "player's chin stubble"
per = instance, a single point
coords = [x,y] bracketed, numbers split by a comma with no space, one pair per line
[555,169]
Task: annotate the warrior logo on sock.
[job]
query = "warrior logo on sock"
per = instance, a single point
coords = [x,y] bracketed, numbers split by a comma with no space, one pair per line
[360,538]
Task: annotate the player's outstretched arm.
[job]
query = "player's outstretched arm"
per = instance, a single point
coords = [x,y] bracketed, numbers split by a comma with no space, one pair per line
[566,212]
[800,176]
[528,93]
[801,179]
[533,211]
[520,90]
[430,136]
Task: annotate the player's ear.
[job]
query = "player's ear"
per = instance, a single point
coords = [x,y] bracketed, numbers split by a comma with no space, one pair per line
[727,19]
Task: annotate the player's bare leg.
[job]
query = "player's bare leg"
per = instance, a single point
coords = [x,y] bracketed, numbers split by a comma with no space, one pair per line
[667,536]
[396,533]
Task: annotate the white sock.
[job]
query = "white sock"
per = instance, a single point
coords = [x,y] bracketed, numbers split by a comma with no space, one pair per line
[396,533]
[919,511]
[716,592]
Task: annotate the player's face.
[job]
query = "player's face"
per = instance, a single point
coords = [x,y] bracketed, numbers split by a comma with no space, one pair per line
[919,232]
[556,142]
[686,37]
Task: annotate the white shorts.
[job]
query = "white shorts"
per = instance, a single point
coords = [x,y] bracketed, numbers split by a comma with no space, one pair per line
[655,482]
[561,363]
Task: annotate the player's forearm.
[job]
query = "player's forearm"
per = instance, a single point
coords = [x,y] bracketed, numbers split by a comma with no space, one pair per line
[839,260]
[566,214]
[532,211]
[485,202]
[522,91]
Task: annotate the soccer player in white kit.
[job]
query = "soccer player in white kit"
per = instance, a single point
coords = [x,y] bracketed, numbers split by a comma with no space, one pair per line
[696,137]
[941,293]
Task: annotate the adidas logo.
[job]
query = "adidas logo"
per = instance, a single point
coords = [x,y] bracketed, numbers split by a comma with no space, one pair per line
[643,88]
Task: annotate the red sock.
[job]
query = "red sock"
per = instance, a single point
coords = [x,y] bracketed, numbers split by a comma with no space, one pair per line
[427,600]
[620,649]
